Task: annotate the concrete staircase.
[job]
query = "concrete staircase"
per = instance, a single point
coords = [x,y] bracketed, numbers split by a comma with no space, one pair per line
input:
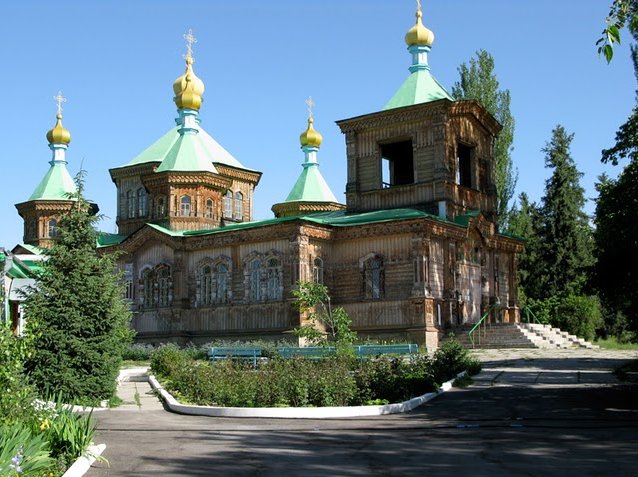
[519,335]
[545,336]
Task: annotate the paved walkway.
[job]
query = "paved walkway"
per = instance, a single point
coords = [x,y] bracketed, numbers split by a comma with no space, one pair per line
[530,412]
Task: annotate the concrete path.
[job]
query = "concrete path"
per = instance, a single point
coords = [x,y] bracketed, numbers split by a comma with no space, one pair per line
[530,412]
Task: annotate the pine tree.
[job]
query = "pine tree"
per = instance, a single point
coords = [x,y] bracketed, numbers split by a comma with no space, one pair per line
[565,235]
[76,314]
[526,222]
[479,82]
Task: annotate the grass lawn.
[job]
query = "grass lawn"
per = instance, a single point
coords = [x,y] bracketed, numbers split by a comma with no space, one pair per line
[128,363]
[612,343]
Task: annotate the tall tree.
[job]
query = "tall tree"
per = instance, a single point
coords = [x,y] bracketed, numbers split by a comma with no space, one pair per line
[616,232]
[566,253]
[479,82]
[526,222]
[76,314]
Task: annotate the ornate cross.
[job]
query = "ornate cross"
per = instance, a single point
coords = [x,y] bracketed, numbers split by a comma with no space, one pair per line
[190,40]
[59,99]
[311,104]
[418,5]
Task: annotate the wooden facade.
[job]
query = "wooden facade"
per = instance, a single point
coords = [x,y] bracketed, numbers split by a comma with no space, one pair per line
[415,251]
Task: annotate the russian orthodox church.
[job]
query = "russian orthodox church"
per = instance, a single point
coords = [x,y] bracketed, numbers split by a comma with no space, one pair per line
[413,251]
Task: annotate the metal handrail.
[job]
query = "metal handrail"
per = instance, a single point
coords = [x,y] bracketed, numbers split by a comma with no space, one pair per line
[470,333]
[527,311]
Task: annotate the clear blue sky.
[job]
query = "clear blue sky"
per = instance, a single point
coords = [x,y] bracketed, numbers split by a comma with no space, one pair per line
[116,61]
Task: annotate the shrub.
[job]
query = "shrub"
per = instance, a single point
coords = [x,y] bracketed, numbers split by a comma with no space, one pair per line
[579,315]
[451,359]
[166,359]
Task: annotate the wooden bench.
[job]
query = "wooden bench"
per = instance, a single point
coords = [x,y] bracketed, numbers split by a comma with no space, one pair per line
[252,354]
[365,351]
[311,352]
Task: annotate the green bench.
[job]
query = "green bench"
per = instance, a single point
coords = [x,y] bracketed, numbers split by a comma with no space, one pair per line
[249,354]
[361,352]
[366,351]
[310,352]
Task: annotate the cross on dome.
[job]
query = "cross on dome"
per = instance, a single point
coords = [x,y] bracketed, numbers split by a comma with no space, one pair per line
[418,5]
[59,99]
[190,40]
[311,104]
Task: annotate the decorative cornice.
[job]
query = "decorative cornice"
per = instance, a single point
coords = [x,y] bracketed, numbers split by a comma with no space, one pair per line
[240,174]
[206,179]
[391,117]
[33,206]
[289,209]
[133,171]
[475,109]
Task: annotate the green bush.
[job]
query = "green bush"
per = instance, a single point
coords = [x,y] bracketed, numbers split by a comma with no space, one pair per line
[336,381]
[579,315]
[15,393]
[451,359]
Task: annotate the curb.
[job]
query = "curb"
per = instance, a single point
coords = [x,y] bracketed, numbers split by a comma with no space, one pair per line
[84,462]
[297,412]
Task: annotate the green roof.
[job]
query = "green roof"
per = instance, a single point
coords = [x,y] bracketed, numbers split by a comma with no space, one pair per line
[187,154]
[205,144]
[104,239]
[311,187]
[419,87]
[24,268]
[57,184]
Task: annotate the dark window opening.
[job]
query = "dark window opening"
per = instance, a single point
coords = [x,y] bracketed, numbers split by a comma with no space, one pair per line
[397,164]
[464,172]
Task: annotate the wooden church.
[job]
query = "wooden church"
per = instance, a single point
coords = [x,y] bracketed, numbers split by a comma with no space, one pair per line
[414,251]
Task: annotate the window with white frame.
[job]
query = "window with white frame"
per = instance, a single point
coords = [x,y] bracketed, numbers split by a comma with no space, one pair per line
[239,206]
[254,280]
[185,206]
[273,279]
[160,208]
[52,228]
[222,283]
[210,207]
[317,270]
[228,204]
[141,202]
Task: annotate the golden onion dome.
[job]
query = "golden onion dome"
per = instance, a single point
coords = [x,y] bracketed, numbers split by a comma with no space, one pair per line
[59,134]
[310,137]
[188,88]
[419,35]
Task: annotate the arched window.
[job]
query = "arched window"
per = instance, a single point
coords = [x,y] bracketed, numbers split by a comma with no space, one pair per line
[141,202]
[254,280]
[228,204]
[161,208]
[222,283]
[185,206]
[130,205]
[273,280]
[164,286]
[239,206]
[52,228]
[373,278]
[210,207]
[147,285]
[156,286]
[205,285]
[317,270]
